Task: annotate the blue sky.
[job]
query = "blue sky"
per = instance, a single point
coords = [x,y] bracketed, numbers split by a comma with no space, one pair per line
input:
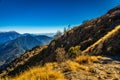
[45,16]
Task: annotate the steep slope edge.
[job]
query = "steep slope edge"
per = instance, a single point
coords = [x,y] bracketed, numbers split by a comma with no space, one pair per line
[108,45]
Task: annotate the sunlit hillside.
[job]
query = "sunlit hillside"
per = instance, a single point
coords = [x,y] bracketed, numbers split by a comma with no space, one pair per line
[56,71]
[81,67]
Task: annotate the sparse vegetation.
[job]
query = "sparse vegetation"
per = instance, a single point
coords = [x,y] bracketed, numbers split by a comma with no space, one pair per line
[54,71]
[87,59]
[74,51]
[68,70]
[70,65]
[74,66]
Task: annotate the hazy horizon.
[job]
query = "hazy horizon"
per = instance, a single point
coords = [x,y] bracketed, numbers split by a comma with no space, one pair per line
[33,30]
[36,29]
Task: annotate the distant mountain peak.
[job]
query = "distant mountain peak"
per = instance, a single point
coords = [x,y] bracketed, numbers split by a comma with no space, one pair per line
[8,36]
[9,32]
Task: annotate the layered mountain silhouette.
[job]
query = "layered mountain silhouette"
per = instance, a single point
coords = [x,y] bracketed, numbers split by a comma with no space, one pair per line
[8,36]
[14,48]
[98,36]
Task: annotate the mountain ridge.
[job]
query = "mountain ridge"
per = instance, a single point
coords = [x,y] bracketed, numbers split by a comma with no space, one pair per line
[101,44]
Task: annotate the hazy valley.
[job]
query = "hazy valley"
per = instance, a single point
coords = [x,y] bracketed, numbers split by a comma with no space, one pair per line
[14,44]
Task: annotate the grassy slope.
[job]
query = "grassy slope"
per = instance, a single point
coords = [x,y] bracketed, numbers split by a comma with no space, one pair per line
[81,68]
[55,71]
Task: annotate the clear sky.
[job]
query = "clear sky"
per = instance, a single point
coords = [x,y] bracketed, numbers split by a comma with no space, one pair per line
[45,16]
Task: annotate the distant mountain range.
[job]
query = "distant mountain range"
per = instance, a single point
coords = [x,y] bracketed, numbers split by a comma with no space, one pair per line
[46,34]
[14,44]
[8,36]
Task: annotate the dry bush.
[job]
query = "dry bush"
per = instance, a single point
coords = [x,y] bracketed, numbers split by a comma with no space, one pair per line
[87,59]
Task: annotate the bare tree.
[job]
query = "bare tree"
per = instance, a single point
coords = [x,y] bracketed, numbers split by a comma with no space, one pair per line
[65,30]
[58,33]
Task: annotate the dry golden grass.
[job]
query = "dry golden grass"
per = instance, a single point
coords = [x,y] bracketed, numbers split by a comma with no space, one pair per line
[83,59]
[49,71]
[73,66]
[40,73]
[95,58]
[87,59]
[83,67]
[4,79]
[80,62]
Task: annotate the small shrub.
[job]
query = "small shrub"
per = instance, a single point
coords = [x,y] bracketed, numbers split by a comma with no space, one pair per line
[74,51]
